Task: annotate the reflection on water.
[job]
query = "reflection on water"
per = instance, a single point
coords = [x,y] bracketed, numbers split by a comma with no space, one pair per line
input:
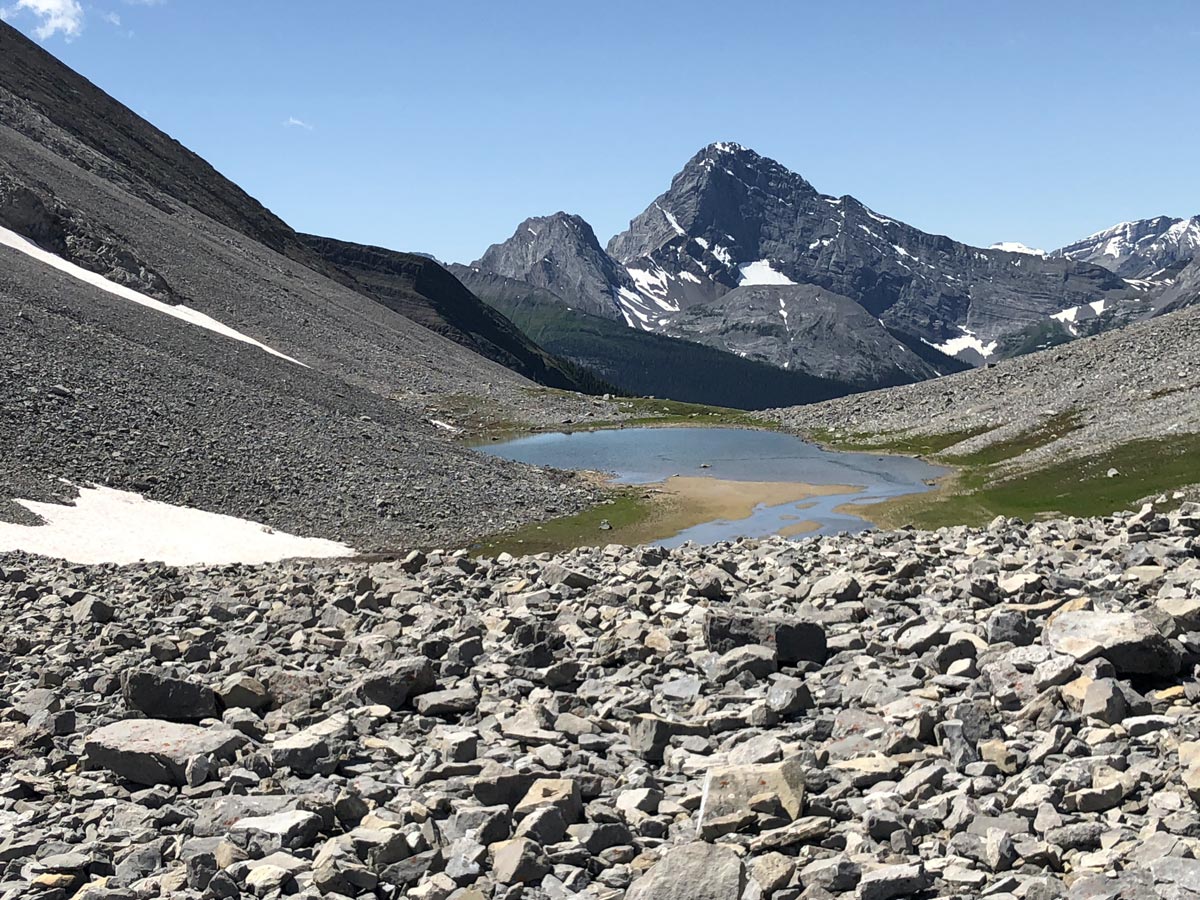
[649,455]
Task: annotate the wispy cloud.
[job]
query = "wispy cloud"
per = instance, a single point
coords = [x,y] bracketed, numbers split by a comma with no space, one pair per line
[293,122]
[63,17]
[112,18]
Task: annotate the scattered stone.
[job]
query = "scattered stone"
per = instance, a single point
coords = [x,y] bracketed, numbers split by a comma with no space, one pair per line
[857,715]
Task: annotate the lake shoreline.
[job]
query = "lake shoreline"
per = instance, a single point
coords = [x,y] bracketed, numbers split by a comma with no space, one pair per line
[665,509]
[670,485]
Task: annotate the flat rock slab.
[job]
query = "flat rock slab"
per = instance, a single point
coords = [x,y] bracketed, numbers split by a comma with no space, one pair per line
[1130,641]
[697,871]
[148,751]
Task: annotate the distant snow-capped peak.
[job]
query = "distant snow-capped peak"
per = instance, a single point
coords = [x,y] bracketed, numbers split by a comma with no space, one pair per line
[1016,247]
[1137,249]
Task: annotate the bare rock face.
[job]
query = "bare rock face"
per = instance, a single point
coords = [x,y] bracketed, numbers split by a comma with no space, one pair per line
[147,751]
[561,253]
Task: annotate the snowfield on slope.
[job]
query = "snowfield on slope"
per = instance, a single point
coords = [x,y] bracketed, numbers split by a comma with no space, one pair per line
[761,272]
[11,239]
[963,347]
[111,526]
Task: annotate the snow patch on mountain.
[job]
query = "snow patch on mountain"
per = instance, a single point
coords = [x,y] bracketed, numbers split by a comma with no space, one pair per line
[109,526]
[1076,314]
[761,272]
[1016,247]
[11,239]
[965,345]
[672,221]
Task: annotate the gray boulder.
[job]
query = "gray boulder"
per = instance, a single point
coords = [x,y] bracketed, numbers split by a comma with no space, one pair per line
[1130,641]
[696,871]
[148,751]
[165,697]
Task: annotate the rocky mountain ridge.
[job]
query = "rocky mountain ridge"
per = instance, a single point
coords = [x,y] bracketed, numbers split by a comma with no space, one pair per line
[805,328]
[420,288]
[732,218]
[645,363]
[1140,250]
[561,254]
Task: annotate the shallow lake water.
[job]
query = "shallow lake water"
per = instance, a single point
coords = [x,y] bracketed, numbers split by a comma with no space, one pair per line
[651,455]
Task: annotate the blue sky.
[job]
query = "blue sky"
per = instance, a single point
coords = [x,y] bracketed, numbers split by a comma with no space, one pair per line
[438,126]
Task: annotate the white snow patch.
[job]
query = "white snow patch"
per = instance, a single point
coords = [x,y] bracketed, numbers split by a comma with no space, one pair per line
[1016,247]
[688,276]
[11,239]
[882,219]
[968,341]
[1075,314]
[701,241]
[723,254]
[670,219]
[761,272]
[110,526]
[652,285]
[445,426]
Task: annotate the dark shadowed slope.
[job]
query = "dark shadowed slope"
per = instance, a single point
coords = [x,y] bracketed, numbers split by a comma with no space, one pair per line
[420,289]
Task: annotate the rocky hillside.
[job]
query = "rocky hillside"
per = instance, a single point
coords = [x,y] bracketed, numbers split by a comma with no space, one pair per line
[1183,291]
[1138,384]
[1141,249]
[1009,713]
[167,335]
[419,288]
[642,363]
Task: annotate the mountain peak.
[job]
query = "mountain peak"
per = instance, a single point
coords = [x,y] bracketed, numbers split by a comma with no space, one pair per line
[567,226]
[718,200]
[560,253]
